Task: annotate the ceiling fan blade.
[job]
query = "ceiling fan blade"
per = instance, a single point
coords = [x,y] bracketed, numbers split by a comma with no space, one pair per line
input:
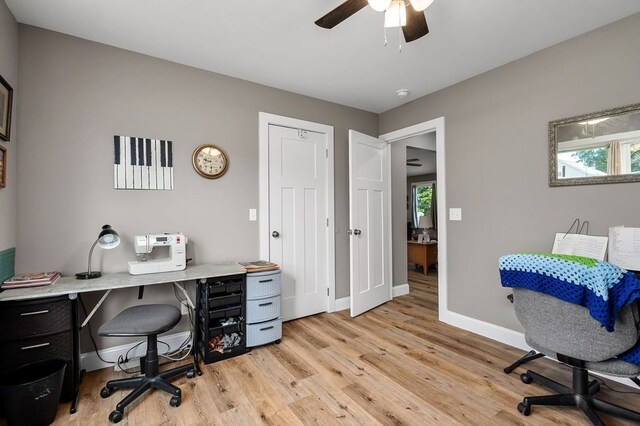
[414,164]
[412,160]
[416,25]
[341,13]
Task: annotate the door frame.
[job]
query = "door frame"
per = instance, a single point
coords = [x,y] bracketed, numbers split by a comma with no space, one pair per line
[264,120]
[437,126]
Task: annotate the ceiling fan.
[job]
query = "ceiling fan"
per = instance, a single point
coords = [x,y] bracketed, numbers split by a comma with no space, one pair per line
[397,14]
[413,162]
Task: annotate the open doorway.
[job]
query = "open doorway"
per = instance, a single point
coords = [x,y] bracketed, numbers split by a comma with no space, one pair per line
[422,216]
[429,136]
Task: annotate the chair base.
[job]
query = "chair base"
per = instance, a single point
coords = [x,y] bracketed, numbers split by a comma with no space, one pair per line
[529,356]
[144,383]
[581,397]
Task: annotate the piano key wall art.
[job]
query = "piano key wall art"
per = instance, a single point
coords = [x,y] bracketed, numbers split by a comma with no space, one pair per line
[141,163]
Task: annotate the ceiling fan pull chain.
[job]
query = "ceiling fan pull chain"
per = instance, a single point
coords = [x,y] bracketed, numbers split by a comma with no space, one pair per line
[385,37]
[400,39]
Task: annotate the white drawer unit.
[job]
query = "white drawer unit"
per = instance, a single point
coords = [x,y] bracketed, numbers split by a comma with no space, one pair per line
[264,324]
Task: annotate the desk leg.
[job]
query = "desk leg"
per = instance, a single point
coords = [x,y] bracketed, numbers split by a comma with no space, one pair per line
[425,261]
[77,372]
[76,393]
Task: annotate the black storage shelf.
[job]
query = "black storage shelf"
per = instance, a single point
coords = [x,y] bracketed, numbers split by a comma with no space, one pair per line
[221,300]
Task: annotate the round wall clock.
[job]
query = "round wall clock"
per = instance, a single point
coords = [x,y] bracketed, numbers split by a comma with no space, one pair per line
[210,161]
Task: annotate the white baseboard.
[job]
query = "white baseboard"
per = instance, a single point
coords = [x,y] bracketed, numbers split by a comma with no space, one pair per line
[90,361]
[506,336]
[343,303]
[400,290]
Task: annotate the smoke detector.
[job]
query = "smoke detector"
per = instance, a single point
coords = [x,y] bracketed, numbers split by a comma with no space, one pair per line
[402,93]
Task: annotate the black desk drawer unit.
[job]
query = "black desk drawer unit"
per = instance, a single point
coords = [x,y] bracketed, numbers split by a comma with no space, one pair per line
[40,329]
[220,319]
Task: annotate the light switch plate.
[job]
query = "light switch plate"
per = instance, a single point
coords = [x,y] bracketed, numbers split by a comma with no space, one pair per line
[253,215]
[455,213]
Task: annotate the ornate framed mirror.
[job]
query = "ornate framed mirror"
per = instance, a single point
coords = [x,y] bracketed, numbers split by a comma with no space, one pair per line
[594,148]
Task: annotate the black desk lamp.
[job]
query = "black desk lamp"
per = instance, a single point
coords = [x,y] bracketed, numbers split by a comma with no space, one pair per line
[108,239]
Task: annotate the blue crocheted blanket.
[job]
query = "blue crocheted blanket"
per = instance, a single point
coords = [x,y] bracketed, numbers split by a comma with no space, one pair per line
[600,287]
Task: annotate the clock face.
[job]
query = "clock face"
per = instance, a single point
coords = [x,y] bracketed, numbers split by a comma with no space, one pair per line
[210,161]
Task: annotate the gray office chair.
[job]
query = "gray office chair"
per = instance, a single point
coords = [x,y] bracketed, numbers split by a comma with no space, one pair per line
[567,331]
[145,320]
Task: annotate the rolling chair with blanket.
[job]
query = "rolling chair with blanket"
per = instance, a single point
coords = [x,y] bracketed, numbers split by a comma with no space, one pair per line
[582,312]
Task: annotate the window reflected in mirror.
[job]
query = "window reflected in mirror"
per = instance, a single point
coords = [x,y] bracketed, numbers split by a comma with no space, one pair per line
[595,148]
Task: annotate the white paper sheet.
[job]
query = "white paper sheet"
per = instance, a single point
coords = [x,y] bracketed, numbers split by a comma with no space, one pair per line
[624,247]
[580,245]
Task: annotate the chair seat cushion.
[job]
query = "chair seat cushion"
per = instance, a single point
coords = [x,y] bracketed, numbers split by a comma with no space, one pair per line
[142,320]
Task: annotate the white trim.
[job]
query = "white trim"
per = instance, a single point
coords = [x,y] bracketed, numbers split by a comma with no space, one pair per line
[486,329]
[400,290]
[435,125]
[264,120]
[506,336]
[342,304]
[89,360]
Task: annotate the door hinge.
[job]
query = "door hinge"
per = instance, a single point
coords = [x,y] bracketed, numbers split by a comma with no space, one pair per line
[327,221]
[327,291]
[326,153]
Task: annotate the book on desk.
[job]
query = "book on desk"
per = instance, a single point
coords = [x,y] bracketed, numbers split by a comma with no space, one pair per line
[31,280]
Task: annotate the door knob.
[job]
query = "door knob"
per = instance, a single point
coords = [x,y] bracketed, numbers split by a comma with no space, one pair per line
[275,234]
[357,232]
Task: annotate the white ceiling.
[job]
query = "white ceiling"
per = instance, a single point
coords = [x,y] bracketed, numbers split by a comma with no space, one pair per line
[425,157]
[276,43]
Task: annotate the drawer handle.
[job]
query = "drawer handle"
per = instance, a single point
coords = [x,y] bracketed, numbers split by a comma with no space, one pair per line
[24,348]
[25,314]
[266,328]
[266,281]
[265,304]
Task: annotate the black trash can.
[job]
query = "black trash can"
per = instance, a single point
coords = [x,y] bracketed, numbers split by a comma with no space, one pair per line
[30,394]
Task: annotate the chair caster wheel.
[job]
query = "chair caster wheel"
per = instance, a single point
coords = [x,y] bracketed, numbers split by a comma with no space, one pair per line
[105,392]
[191,374]
[525,409]
[278,341]
[115,416]
[175,401]
[527,379]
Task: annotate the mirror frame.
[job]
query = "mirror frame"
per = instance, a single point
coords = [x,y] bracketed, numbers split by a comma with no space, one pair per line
[591,180]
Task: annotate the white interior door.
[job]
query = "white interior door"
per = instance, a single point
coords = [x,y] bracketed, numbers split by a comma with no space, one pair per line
[298,218]
[370,221]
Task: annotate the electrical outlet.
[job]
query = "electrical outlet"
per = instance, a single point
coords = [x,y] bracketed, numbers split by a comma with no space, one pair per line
[455,213]
[253,215]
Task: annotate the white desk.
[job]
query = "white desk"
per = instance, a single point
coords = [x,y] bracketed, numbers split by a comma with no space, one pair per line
[71,287]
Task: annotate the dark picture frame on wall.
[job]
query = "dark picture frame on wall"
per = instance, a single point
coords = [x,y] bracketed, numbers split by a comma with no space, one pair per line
[3,166]
[6,102]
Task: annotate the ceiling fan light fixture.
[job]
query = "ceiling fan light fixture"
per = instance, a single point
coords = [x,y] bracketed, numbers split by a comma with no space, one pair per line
[379,5]
[396,15]
[420,5]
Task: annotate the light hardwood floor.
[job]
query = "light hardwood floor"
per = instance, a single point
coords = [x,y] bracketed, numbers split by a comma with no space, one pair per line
[394,365]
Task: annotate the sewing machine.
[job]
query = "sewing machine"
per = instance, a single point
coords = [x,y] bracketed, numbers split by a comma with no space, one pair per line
[144,244]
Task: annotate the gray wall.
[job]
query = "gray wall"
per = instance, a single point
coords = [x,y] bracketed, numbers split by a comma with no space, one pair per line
[78,94]
[496,157]
[9,71]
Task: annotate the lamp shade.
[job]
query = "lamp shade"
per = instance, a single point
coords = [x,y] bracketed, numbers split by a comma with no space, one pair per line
[379,5]
[396,15]
[108,238]
[420,5]
[425,222]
